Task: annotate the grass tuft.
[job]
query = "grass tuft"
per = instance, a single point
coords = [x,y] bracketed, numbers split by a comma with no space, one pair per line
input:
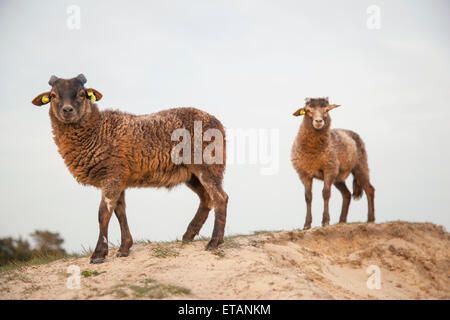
[218,252]
[36,260]
[164,251]
[154,290]
[91,273]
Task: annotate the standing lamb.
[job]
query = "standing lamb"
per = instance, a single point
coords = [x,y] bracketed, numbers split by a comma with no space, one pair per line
[330,155]
[113,150]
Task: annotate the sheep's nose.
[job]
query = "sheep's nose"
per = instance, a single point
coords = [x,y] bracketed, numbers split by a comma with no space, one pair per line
[67,109]
[319,121]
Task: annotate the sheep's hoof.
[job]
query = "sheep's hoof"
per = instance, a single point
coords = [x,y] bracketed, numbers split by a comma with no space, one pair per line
[307,227]
[122,254]
[326,223]
[97,260]
[188,238]
[213,244]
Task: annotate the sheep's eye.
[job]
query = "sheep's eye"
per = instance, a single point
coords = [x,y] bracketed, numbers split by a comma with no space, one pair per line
[82,94]
[52,95]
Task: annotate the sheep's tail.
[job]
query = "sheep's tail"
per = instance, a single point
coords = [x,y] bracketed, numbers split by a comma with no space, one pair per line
[362,169]
[357,190]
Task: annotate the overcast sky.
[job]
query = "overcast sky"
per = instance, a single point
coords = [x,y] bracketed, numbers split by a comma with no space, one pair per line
[251,64]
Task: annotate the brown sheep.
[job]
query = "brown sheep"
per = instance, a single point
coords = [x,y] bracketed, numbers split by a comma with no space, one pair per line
[330,155]
[113,150]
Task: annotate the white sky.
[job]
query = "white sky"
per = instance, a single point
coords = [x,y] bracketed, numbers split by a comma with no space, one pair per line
[250,63]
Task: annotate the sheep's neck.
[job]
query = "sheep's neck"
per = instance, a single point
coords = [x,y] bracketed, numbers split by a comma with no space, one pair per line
[312,140]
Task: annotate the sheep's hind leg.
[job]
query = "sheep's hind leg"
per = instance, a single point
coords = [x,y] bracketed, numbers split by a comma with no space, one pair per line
[346,197]
[370,193]
[107,206]
[126,239]
[202,211]
[213,186]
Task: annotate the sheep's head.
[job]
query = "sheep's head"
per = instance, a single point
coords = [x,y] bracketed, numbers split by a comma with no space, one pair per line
[316,112]
[69,100]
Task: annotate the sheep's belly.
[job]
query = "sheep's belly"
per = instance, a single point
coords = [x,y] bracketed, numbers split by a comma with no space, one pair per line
[318,174]
[343,175]
[159,179]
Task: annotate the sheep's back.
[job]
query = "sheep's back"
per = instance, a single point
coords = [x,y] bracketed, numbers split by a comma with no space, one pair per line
[148,144]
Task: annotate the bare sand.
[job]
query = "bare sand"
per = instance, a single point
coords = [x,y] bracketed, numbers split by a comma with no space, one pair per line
[322,263]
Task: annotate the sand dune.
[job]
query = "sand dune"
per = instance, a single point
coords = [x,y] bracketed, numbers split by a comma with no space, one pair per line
[322,263]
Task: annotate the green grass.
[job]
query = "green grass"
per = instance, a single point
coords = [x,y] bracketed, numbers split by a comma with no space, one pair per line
[152,289]
[15,276]
[36,260]
[164,251]
[119,293]
[86,251]
[218,252]
[91,273]
[118,290]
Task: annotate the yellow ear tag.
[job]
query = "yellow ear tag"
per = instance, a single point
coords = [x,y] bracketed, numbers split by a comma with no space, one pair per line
[302,112]
[45,99]
[92,95]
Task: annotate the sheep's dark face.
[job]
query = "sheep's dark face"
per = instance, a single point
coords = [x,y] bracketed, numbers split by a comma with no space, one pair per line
[316,112]
[69,100]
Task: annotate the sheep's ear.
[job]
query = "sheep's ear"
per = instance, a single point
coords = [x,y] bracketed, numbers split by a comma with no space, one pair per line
[41,99]
[93,94]
[299,112]
[332,106]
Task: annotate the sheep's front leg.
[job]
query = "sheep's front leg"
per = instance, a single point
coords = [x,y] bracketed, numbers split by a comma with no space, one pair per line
[307,182]
[107,206]
[326,193]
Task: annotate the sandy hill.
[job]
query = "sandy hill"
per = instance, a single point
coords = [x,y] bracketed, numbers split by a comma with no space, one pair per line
[322,263]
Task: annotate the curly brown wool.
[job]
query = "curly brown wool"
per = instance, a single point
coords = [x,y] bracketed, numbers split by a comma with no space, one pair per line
[113,150]
[330,155]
